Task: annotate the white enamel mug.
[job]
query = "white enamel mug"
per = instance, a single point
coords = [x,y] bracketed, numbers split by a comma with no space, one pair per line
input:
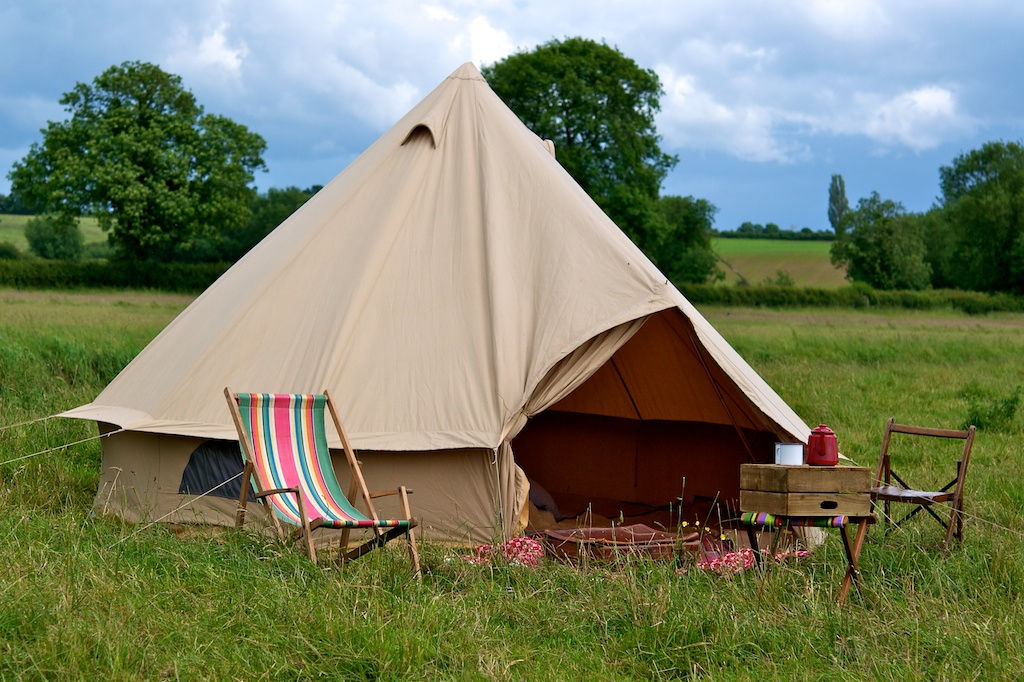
[789,454]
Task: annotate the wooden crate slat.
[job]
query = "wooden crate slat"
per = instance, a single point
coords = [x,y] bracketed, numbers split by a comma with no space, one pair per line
[778,478]
[806,504]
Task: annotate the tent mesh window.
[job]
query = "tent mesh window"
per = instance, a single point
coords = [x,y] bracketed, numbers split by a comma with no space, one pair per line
[209,465]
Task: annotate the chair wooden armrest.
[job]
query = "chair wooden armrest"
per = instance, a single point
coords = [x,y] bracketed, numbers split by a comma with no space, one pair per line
[276,491]
[385,493]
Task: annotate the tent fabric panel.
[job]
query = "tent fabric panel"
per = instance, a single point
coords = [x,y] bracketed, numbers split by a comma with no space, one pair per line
[786,423]
[665,377]
[573,370]
[603,393]
[742,409]
[708,456]
[622,464]
[140,475]
[579,455]
[658,375]
[454,497]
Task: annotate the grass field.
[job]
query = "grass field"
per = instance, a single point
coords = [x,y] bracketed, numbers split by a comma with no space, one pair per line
[12,229]
[807,262]
[91,598]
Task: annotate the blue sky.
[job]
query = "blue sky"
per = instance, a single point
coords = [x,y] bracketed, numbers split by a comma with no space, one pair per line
[764,100]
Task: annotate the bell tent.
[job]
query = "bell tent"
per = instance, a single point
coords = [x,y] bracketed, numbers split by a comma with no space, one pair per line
[481,324]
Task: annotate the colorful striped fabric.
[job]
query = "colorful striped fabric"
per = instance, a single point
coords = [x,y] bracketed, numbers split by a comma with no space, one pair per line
[762,519]
[289,445]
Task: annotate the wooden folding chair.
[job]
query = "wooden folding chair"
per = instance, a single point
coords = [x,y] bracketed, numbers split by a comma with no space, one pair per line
[284,441]
[952,492]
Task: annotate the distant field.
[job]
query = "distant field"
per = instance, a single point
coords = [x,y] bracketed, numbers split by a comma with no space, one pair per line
[807,262]
[12,229]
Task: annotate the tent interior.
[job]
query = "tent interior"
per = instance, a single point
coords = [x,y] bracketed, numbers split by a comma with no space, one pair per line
[620,446]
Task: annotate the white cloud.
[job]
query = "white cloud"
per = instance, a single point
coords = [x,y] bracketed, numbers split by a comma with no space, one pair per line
[848,20]
[378,102]
[696,118]
[486,43]
[210,58]
[920,119]
[758,81]
[437,13]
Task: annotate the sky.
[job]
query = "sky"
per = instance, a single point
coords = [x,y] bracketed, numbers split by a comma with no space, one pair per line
[764,99]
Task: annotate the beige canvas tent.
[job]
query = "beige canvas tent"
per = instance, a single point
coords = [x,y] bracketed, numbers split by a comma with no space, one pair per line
[479,321]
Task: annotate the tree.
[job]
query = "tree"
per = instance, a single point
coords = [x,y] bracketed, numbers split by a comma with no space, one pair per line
[139,153]
[12,203]
[268,210]
[684,251]
[598,107]
[983,209]
[9,251]
[882,246]
[838,205]
[56,237]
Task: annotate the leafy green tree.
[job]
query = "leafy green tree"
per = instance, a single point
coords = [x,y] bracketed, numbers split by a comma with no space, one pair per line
[56,236]
[9,251]
[983,207]
[881,246]
[11,203]
[139,153]
[683,249]
[939,250]
[598,107]
[838,204]
[268,210]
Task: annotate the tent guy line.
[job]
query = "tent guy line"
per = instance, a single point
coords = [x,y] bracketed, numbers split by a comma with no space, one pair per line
[173,511]
[28,423]
[61,447]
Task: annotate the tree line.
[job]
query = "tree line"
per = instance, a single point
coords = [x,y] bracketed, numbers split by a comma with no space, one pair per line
[169,182]
[749,230]
[972,237]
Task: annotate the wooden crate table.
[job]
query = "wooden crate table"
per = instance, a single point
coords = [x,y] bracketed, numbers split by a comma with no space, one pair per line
[775,496]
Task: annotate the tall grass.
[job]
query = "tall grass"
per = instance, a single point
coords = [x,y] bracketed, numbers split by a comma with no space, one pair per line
[87,597]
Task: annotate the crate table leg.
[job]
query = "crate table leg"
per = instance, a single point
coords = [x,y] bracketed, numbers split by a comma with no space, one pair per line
[852,555]
[752,537]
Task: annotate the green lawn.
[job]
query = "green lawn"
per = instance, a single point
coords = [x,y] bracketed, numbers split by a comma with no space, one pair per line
[91,598]
[807,262]
[12,229]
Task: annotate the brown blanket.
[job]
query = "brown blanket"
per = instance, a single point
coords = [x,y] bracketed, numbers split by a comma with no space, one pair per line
[610,543]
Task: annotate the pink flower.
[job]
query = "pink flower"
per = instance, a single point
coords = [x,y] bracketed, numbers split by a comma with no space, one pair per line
[731,563]
[519,551]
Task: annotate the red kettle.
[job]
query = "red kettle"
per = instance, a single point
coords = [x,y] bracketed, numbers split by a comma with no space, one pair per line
[822,447]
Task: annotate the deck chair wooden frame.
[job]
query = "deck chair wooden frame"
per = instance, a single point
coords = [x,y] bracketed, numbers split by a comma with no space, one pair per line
[324,505]
[953,492]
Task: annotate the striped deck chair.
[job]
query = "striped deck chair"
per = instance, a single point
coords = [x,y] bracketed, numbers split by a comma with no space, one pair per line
[284,442]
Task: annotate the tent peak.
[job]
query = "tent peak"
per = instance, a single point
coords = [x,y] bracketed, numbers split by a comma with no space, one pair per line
[433,117]
[467,71]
